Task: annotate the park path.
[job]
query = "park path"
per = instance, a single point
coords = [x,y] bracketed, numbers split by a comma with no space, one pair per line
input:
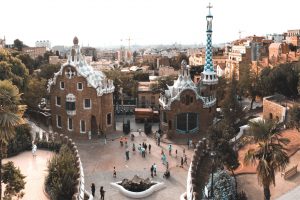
[35,170]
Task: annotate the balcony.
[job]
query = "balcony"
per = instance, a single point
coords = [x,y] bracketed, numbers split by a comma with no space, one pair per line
[71,112]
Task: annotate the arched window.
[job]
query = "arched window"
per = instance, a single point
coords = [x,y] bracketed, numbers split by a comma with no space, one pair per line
[187,123]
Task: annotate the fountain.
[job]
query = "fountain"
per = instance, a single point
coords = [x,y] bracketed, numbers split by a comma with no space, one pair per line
[138,187]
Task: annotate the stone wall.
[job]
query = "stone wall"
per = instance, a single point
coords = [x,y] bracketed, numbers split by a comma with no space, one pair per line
[273,110]
[193,188]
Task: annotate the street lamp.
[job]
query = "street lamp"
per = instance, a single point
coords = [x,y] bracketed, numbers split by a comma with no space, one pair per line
[212,155]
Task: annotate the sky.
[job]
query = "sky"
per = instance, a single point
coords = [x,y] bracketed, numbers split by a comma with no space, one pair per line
[102,23]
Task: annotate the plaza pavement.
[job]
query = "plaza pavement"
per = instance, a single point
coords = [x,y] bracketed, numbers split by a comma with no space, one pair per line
[99,159]
[35,170]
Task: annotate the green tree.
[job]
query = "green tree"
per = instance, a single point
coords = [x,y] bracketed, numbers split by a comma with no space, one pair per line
[62,174]
[31,97]
[14,181]
[231,107]
[48,70]
[162,83]
[295,117]
[10,115]
[18,44]
[270,153]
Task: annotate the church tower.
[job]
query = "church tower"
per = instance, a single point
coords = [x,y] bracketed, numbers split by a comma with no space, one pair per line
[209,76]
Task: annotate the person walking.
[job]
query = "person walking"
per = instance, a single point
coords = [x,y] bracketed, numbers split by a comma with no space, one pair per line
[115,173]
[152,170]
[105,139]
[133,147]
[158,140]
[183,151]
[127,153]
[34,149]
[149,148]
[143,152]
[170,149]
[185,159]
[181,162]
[167,165]
[93,188]
[176,153]
[102,192]
[146,147]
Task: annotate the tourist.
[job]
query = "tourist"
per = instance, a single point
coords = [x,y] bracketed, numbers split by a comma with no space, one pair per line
[154,169]
[162,152]
[133,147]
[167,165]
[102,193]
[140,131]
[143,152]
[127,153]
[188,143]
[181,163]
[146,147]
[164,159]
[114,173]
[158,140]
[176,153]
[185,159]
[170,149]
[149,148]
[183,151]
[34,149]
[140,148]
[121,141]
[93,188]
[105,138]
[126,145]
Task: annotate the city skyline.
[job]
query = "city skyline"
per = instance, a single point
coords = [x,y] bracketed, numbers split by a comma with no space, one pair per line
[111,23]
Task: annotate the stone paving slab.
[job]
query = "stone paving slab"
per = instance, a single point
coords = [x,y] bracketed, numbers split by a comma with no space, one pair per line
[35,170]
[99,159]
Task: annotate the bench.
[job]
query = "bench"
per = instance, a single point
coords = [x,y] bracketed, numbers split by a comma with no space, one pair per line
[289,173]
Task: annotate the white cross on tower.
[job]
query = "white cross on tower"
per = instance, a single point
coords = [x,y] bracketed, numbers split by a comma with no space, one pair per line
[209,7]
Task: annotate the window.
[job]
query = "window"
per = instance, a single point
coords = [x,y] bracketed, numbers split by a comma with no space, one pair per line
[70,106]
[62,85]
[82,126]
[70,102]
[87,103]
[58,121]
[79,86]
[70,124]
[58,101]
[187,122]
[108,119]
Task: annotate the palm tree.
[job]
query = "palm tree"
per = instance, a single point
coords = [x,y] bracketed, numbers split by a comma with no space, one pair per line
[10,115]
[270,153]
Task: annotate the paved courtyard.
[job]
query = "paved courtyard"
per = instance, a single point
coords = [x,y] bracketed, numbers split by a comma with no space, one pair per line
[35,170]
[99,159]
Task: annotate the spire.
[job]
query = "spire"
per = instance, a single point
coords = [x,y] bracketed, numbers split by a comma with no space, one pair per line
[208,67]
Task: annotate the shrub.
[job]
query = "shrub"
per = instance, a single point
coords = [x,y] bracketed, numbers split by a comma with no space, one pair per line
[21,142]
[223,186]
[62,175]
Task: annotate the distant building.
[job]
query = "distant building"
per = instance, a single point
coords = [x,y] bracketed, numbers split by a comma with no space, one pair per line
[293,37]
[275,108]
[2,43]
[81,99]
[54,60]
[277,51]
[43,43]
[147,98]
[34,52]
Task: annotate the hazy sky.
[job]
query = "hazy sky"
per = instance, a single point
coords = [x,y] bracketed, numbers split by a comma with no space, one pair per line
[106,22]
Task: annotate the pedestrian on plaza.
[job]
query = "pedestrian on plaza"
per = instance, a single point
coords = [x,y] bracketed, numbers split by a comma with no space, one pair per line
[34,149]
[154,169]
[167,165]
[170,149]
[146,147]
[105,138]
[143,152]
[127,154]
[133,147]
[162,152]
[181,162]
[158,141]
[115,173]
[102,192]
[176,153]
[140,148]
[126,145]
[149,148]
[140,131]
[121,141]
[93,188]
[185,159]
[183,151]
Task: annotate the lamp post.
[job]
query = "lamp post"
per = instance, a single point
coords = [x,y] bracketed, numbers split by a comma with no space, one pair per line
[212,154]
